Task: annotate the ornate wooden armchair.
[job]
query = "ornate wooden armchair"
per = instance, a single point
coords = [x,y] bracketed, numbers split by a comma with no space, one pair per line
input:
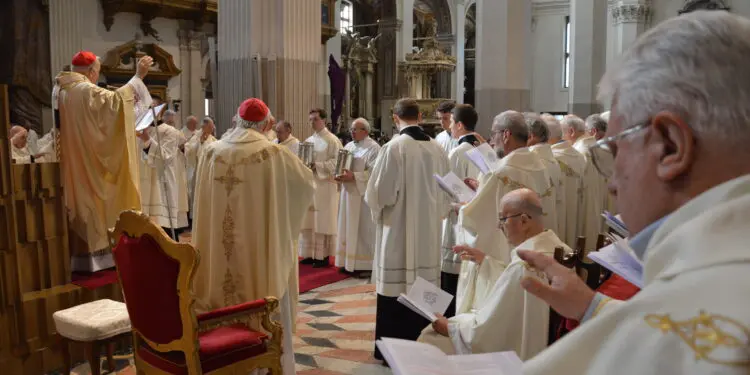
[156,277]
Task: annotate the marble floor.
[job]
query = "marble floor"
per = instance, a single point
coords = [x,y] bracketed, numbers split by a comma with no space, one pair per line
[335,333]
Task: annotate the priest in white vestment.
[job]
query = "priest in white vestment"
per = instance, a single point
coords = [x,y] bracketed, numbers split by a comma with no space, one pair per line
[445,138]
[99,158]
[463,122]
[167,203]
[285,138]
[194,147]
[518,169]
[355,250]
[572,166]
[683,189]
[596,126]
[250,200]
[511,319]
[590,206]
[408,208]
[19,145]
[190,128]
[317,241]
[538,138]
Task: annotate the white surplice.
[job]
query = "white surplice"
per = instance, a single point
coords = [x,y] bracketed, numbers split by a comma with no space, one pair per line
[356,232]
[317,239]
[478,221]
[590,211]
[20,155]
[511,319]
[555,217]
[572,165]
[194,148]
[166,167]
[446,141]
[250,200]
[291,143]
[408,208]
[691,316]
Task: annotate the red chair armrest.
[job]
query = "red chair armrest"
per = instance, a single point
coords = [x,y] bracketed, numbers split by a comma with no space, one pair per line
[241,309]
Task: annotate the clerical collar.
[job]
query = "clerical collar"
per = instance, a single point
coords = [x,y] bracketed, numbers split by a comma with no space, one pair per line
[416,132]
[639,242]
[470,138]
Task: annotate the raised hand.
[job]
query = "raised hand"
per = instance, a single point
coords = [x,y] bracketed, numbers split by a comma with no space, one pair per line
[144,64]
[469,253]
[566,292]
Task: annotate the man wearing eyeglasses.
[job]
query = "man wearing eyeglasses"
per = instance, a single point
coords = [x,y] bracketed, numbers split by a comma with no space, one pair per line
[510,318]
[678,135]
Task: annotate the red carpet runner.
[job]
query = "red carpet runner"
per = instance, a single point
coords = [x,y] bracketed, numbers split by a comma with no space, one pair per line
[311,278]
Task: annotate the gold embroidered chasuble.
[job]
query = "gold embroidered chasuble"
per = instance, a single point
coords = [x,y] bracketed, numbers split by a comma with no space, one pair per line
[572,165]
[590,210]
[250,198]
[98,162]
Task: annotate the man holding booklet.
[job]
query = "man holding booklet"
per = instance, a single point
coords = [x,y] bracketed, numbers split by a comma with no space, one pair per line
[510,319]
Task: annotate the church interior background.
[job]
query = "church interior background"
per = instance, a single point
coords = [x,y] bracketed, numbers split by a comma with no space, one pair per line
[354,58]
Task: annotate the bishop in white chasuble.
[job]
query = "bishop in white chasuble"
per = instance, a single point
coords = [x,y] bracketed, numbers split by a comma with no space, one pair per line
[590,210]
[408,208]
[167,203]
[687,319]
[250,200]
[98,155]
[318,237]
[285,138]
[356,231]
[572,166]
[478,219]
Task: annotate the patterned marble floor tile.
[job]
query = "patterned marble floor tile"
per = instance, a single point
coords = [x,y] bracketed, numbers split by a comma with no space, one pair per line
[318,371]
[349,297]
[327,319]
[351,367]
[353,304]
[368,336]
[367,318]
[358,289]
[354,344]
[362,356]
[356,326]
[311,350]
[359,311]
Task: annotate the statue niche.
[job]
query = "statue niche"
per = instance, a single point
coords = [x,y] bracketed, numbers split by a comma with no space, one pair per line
[119,66]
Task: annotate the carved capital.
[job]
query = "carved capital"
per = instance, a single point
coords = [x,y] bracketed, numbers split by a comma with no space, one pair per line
[196,39]
[184,38]
[631,13]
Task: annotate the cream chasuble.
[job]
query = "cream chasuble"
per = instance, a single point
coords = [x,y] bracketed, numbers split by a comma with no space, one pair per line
[45,147]
[572,165]
[166,166]
[250,200]
[20,155]
[270,134]
[478,221]
[590,210]
[356,231]
[691,316]
[555,217]
[446,141]
[194,148]
[99,160]
[408,208]
[318,237]
[510,318]
[291,143]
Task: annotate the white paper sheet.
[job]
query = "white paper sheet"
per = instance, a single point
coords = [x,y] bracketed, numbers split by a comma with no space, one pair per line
[616,224]
[455,187]
[483,157]
[620,259]
[426,299]
[147,118]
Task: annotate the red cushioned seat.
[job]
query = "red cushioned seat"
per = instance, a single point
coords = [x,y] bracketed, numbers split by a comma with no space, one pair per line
[218,348]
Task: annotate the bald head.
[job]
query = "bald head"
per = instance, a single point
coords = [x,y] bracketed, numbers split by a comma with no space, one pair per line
[18,136]
[525,201]
[522,212]
[191,122]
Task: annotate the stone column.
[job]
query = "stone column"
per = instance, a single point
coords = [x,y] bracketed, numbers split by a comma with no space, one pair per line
[388,71]
[588,45]
[503,59]
[630,18]
[66,24]
[331,47]
[443,88]
[406,36]
[186,107]
[459,51]
[196,96]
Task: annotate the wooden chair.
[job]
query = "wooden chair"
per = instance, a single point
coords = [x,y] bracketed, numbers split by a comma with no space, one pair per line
[556,321]
[592,273]
[156,277]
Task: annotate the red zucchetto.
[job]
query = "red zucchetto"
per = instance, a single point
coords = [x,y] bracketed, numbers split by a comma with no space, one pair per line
[83,58]
[253,110]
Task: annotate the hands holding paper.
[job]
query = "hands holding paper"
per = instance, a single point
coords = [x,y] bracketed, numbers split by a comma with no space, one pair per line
[566,292]
[441,325]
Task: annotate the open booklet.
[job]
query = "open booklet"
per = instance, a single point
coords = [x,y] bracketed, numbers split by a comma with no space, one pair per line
[146,118]
[619,258]
[426,299]
[455,187]
[483,157]
[416,358]
[614,222]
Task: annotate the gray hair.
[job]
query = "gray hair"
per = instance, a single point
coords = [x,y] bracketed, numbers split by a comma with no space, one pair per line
[169,112]
[513,121]
[537,126]
[573,122]
[596,122]
[364,123]
[605,116]
[257,125]
[285,124]
[205,119]
[86,69]
[555,130]
[695,66]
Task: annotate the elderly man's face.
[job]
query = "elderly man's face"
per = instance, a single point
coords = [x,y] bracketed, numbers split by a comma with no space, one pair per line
[19,137]
[192,123]
[168,119]
[282,133]
[207,127]
[358,132]
[514,223]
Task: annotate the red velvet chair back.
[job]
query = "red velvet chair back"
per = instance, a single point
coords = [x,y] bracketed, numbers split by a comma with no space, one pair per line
[155,274]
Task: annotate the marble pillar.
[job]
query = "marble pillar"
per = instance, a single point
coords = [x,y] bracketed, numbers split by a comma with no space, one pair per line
[66,24]
[459,50]
[443,79]
[630,18]
[503,59]
[388,73]
[197,95]
[588,44]
[406,38]
[186,106]
[331,47]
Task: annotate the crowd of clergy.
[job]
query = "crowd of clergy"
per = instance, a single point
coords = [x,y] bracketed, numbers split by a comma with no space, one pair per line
[672,154]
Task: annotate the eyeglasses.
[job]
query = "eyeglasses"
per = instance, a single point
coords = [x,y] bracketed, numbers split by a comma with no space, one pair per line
[504,219]
[603,152]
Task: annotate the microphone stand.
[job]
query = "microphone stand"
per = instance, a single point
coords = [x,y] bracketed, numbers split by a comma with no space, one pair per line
[163,177]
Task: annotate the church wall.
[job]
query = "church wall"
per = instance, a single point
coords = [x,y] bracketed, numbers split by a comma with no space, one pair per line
[665,9]
[547,91]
